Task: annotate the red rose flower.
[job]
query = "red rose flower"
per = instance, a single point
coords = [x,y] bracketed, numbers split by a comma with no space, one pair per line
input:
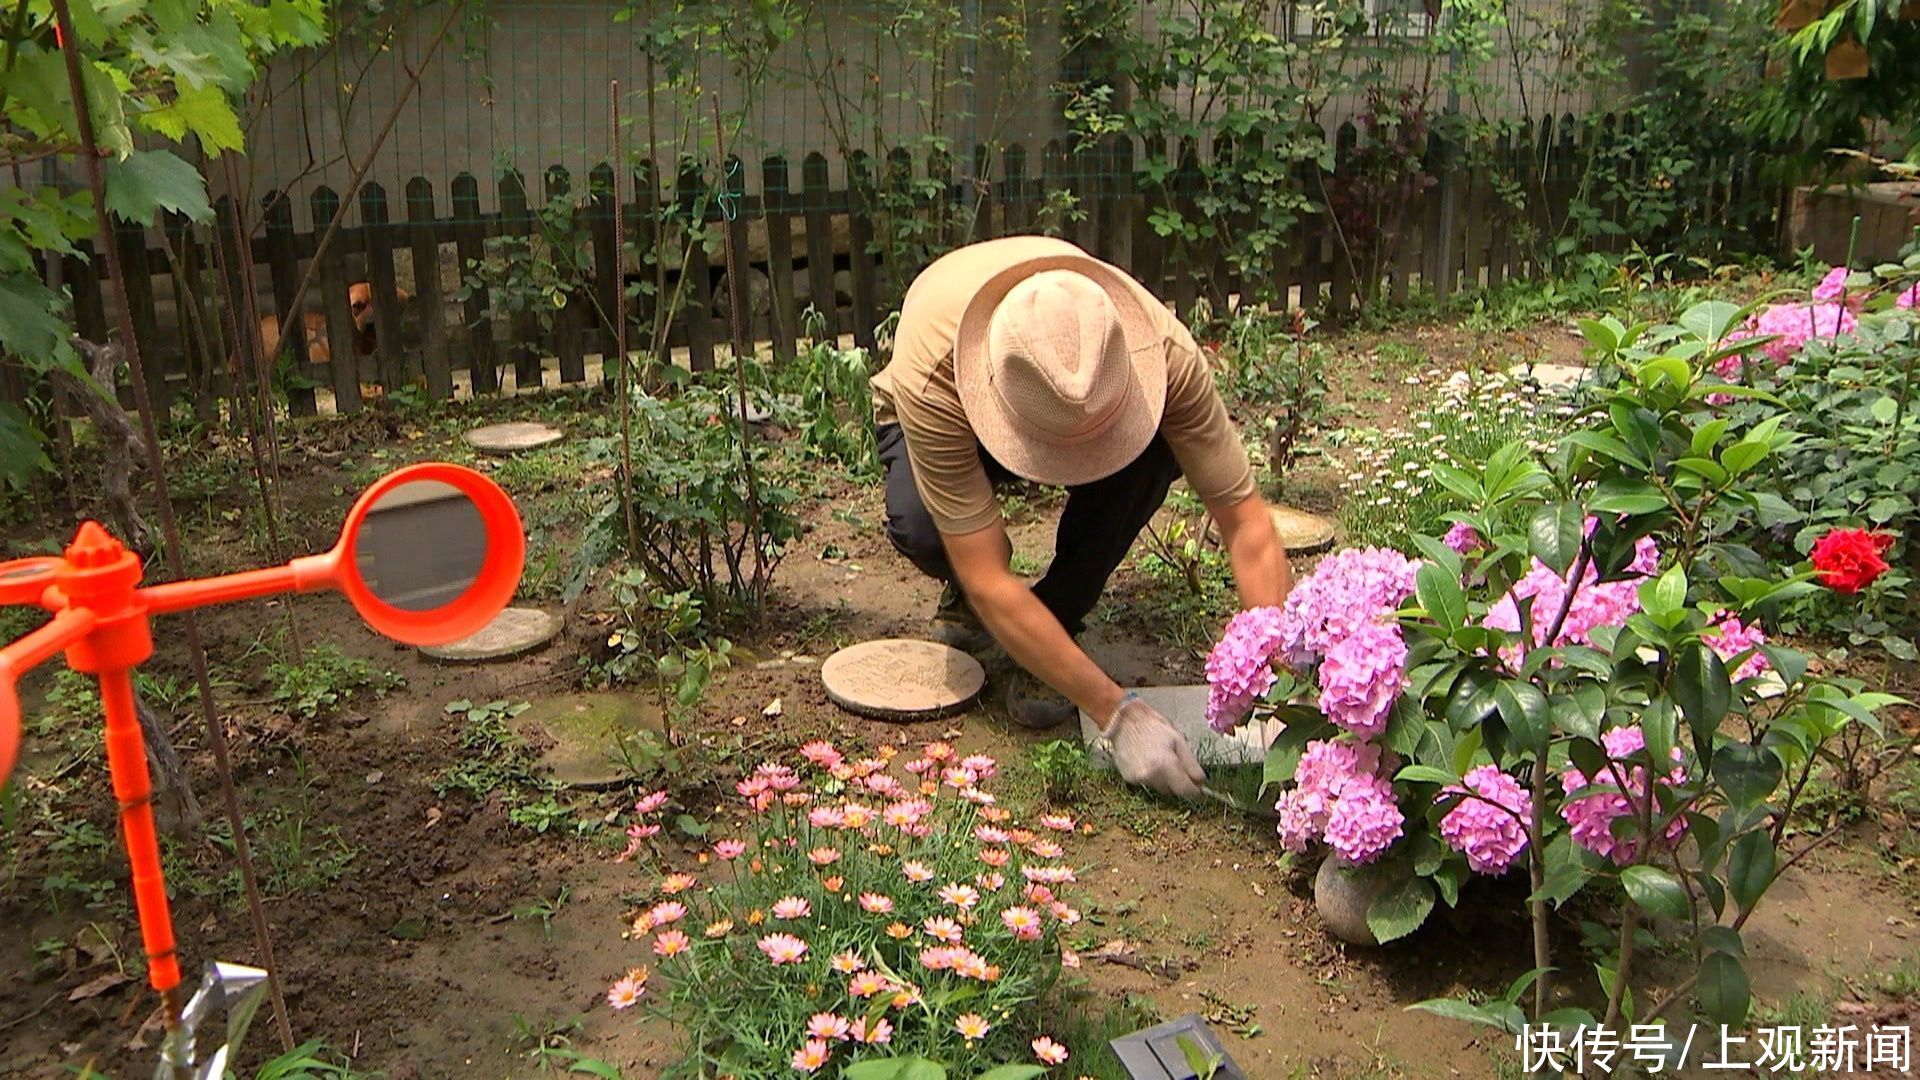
[1849,559]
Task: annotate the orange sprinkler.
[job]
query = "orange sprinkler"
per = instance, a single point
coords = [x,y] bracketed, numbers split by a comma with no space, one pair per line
[429,554]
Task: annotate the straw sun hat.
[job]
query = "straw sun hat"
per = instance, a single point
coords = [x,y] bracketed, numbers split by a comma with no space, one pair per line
[1060,369]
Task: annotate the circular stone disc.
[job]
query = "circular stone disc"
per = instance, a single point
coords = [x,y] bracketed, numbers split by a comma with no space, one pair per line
[513,438]
[901,679]
[1556,376]
[512,632]
[1300,532]
[581,737]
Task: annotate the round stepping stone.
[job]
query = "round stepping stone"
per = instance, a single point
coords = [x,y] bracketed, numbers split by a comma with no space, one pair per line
[1556,376]
[513,438]
[1301,533]
[511,633]
[902,679]
[582,736]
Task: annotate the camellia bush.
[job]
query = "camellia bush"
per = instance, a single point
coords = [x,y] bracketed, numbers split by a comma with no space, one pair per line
[1841,366]
[1574,683]
[860,926]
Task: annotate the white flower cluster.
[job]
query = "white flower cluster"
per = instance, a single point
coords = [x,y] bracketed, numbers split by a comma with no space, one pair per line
[1390,488]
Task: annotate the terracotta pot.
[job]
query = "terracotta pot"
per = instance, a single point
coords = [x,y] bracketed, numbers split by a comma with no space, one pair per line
[1342,892]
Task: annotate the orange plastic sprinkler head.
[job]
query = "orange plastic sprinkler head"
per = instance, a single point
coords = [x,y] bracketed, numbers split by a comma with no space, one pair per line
[428,554]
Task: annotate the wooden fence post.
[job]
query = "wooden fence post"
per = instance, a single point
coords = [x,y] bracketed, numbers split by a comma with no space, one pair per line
[379,236]
[283,271]
[428,304]
[1115,243]
[470,243]
[1015,208]
[733,181]
[976,191]
[862,195]
[815,181]
[650,245]
[132,240]
[343,353]
[695,274]
[569,322]
[608,260]
[516,221]
[780,210]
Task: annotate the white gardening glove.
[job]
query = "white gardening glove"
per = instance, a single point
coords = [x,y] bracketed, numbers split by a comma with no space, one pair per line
[1147,750]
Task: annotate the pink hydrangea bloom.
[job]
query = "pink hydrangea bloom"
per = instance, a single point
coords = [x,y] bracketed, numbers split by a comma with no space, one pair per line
[1462,538]
[1349,589]
[1482,828]
[1590,814]
[1361,676]
[1240,666]
[1328,769]
[1832,287]
[1908,298]
[1729,637]
[1596,604]
[1791,326]
[1365,820]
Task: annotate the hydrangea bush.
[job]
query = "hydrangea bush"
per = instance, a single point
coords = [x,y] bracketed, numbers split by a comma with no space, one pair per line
[861,918]
[1574,683]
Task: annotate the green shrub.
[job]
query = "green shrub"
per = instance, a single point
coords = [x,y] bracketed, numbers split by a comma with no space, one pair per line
[703,524]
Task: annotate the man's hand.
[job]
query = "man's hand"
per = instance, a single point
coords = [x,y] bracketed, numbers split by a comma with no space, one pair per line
[1147,750]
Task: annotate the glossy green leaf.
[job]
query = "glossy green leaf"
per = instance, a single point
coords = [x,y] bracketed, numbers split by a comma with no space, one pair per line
[1750,869]
[1747,773]
[1440,594]
[1400,910]
[1701,687]
[1710,320]
[1524,708]
[1724,990]
[1655,891]
[1554,534]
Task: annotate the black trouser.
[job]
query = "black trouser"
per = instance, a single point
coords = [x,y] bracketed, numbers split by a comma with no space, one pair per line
[1097,526]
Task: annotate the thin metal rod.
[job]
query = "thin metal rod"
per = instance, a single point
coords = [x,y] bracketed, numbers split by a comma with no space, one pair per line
[216,736]
[250,347]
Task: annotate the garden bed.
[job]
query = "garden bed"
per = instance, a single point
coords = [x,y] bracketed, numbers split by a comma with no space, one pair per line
[432,916]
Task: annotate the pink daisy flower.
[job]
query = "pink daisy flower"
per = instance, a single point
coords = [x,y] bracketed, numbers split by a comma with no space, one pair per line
[829,1026]
[1048,1051]
[671,943]
[811,1057]
[875,904]
[792,907]
[782,948]
[963,897]
[650,802]
[729,850]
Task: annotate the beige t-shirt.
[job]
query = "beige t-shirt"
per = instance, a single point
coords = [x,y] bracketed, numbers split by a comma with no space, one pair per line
[917,391]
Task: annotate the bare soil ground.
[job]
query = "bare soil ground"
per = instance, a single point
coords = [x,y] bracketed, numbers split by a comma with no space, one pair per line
[422,954]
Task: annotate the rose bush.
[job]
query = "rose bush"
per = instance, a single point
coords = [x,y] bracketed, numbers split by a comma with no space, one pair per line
[859,922]
[1587,696]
